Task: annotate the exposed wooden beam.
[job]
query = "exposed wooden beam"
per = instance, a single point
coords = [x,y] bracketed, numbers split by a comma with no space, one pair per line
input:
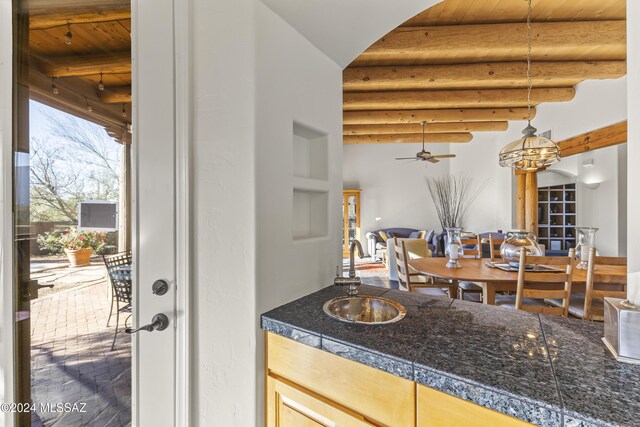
[406,138]
[552,41]
[435,116]
[84,65]
[482,75]
[483,98]
[73,97]
[429,128]
[116,95]
[531,202]
[599,138]
[47,20]
[521,194]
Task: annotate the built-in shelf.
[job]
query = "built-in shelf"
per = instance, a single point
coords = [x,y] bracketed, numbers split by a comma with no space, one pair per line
[557,217]
[310,184]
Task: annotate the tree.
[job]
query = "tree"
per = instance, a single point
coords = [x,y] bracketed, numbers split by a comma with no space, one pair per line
[75,162]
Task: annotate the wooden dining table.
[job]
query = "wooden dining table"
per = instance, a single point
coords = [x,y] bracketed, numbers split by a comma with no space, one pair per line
[494,280]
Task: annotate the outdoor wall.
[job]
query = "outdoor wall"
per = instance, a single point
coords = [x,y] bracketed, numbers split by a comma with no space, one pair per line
[394,192]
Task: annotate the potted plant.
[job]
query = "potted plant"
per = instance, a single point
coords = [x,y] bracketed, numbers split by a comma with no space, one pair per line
[79,245]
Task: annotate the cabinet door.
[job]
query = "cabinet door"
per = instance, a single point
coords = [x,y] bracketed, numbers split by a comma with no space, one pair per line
[438,409]
[288,406]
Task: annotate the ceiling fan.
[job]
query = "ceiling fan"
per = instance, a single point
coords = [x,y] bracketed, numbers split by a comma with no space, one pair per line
[425,155]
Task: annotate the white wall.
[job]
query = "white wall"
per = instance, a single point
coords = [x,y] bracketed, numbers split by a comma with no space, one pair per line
[596,104]
[253,76]
[294,82]
[224,214]
[394,192]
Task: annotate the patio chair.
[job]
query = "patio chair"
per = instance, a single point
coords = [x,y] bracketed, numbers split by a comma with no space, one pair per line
[121,287]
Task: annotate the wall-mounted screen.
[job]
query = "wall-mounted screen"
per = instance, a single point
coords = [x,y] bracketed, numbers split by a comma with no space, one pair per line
[98,215]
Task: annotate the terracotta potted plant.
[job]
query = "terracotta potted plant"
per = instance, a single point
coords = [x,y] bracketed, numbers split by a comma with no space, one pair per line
[79,245]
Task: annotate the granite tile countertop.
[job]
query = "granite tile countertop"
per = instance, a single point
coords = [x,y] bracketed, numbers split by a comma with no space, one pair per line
[545,370]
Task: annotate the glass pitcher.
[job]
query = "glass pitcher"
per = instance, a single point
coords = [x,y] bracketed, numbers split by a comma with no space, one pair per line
[516,240]
[586,241]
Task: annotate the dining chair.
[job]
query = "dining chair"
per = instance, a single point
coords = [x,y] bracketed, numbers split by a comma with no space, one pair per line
[531,295]
[590,305]
[494,247]
[407,249]
[120,279]
[472,248]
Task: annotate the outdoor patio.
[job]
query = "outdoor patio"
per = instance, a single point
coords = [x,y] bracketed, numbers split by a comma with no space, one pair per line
[70,350]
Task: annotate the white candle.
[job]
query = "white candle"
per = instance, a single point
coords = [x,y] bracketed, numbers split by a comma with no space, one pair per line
[453,251]
[633,288]
[584,253]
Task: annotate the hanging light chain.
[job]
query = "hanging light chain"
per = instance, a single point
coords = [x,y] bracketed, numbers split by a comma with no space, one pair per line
[529,84]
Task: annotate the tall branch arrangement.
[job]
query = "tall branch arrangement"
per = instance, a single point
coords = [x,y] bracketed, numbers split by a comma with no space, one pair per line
[452,197]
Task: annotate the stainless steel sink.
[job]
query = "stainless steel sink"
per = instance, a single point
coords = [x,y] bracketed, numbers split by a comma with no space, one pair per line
[364,309]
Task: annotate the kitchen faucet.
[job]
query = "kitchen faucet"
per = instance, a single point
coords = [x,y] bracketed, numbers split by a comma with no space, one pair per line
[352,281]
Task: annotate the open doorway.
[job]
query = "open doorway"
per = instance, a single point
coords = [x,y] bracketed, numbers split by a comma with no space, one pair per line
[72,187]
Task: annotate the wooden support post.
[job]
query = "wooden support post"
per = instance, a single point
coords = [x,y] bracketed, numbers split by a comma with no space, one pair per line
[520,201]
[531,203]
[124,212]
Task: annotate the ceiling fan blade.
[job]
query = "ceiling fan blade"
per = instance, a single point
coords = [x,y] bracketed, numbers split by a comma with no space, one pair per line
[444,156]
[406,158]
[432,160]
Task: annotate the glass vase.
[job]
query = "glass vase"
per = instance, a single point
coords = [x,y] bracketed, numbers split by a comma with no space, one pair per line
[454,250]
[516,240]
[586,241]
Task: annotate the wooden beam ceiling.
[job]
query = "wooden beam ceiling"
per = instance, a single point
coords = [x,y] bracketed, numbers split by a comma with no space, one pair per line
[480,75]
[116,95]
[464,61]
[595,139]
[87,65]
[46,20]
[407,138]
[435,116]
[429,128]
[552,41]
[483,98]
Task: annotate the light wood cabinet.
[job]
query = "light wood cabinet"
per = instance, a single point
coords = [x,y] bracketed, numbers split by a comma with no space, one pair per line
[308,387]
[438,409]
[350,218]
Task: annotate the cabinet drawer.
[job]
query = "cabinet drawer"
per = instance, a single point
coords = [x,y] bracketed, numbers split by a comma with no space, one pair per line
[289,406]
[382,398]
[438,409]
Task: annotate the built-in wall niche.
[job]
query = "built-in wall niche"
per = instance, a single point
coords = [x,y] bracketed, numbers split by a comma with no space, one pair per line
[557,217]
[310,177]
[310,153]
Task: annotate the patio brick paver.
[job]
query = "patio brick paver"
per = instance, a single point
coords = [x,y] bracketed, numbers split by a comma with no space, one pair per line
[71,361]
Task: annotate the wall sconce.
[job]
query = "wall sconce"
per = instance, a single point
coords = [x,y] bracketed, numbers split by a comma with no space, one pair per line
[592,185]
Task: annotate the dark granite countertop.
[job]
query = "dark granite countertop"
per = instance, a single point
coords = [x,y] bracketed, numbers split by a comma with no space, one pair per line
[545,370]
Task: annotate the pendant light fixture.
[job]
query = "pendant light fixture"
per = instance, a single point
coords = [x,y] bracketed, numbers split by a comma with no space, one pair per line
[530,152]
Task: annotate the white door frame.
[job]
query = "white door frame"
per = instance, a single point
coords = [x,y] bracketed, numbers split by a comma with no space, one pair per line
[182,136]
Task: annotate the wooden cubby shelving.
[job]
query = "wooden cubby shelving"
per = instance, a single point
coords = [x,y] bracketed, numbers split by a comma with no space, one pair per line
[557,217]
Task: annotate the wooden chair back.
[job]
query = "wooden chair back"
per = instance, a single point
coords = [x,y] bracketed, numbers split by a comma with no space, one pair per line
[476,251]
[494,247]
[401,262]
[527,283]
[596,275]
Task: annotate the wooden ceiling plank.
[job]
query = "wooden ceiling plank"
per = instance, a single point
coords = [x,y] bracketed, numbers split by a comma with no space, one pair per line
[85,65]
[435,116]
[116,95]
[606,40]
[416,128]
[407,138]
[483,98]
[595,139]
[479,75]
[47,20]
